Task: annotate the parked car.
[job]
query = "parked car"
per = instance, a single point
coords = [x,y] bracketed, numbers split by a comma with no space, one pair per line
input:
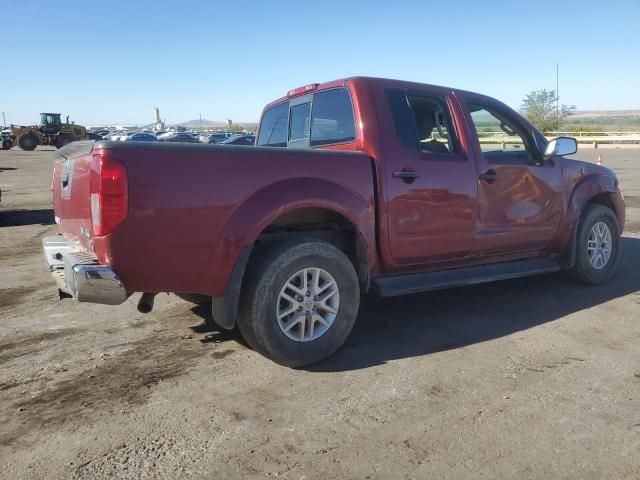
[180,137]
[6,138]
[385,185]
[139,137]
[217,137]
[102,132]
[239,140]
[164,135]
[94,136]
[115,135]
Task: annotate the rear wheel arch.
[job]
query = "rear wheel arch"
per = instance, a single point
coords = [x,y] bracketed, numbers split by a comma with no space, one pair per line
[325,224]
[269,215]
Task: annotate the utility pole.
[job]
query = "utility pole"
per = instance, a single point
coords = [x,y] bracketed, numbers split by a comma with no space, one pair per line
[4,120]
[200,122]
[557,105]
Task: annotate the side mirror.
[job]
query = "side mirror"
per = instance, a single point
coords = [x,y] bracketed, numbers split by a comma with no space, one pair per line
[561,146]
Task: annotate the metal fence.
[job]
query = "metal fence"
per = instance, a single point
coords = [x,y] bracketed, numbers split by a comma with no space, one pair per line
[594,138]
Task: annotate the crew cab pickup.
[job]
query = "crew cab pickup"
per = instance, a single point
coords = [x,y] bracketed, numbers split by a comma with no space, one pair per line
[354,185]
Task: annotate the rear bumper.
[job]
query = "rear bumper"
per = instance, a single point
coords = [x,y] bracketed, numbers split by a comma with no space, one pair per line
[78,273]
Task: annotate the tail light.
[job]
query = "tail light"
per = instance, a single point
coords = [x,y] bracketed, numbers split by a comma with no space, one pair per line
[109,195]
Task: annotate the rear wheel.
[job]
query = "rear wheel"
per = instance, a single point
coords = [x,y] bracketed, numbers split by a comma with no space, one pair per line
[300,301]
[598,246]
[28,142]
[63,140]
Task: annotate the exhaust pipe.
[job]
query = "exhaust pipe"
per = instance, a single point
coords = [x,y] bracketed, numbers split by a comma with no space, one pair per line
[145,304]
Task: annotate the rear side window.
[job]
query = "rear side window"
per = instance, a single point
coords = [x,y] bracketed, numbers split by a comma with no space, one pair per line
[332,118]
[423,122]
[273,129]
[403,118]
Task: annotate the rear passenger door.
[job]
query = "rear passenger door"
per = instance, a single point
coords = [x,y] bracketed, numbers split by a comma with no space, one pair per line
[431,182]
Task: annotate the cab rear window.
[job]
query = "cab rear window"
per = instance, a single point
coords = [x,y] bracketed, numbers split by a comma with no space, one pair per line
[330,121]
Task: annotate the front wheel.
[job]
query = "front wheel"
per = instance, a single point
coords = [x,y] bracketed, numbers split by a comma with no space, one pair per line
[598,246]
[300,301]
[28,142]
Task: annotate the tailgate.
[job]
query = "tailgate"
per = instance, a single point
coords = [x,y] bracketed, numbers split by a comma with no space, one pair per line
[70,185]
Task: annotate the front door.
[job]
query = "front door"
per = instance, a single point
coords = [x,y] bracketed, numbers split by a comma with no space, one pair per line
[430,180]
[520,196]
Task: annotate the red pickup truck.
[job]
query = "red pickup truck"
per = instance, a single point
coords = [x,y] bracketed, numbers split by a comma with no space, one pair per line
[378,184]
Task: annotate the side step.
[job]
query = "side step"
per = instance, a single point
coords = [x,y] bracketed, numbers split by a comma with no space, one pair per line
[459,277]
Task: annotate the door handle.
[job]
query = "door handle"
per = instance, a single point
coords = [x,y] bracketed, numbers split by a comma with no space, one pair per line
[489,176]
[407,175]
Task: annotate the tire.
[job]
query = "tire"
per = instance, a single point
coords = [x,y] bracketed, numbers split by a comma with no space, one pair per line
[28,142]
[590,266]
[5,144]
[274,267]
[63,140]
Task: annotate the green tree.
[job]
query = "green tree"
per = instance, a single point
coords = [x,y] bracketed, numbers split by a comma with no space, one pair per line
[539,107]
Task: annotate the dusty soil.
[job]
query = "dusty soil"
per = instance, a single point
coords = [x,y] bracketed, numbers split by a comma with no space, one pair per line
[535,378]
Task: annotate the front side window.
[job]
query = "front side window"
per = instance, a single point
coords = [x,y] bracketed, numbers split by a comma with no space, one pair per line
[273,128]
[332,118]
[501,139]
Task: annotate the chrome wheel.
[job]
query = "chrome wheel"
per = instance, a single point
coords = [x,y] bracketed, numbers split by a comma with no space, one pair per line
[308,304]
[599,245]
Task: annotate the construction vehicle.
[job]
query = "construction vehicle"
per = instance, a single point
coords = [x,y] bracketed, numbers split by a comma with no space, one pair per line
[51,131]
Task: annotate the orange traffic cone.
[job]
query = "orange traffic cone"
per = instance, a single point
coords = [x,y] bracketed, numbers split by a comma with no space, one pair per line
[599,161]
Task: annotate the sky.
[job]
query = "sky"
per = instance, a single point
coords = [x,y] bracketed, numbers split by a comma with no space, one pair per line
[111,62]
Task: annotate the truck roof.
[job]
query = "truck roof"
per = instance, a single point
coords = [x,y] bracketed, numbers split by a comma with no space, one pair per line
[303,90]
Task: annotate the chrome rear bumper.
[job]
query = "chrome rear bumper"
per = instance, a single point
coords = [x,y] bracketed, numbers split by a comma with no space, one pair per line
[78,273]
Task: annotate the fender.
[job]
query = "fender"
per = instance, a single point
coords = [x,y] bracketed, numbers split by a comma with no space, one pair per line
[585,189]
[252,216]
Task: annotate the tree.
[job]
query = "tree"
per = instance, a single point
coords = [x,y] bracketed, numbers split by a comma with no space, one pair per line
[539,107]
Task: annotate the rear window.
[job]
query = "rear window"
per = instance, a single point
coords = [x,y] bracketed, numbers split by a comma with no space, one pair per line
[273,128]
[332,118]
[299,121]
[326,120]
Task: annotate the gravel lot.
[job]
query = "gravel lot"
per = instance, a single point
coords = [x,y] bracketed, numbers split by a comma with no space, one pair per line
[534,378]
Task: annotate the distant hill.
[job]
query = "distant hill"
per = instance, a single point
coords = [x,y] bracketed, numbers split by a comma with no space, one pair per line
[607,120]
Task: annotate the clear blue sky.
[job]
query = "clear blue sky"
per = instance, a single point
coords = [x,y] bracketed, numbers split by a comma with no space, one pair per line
[113,61]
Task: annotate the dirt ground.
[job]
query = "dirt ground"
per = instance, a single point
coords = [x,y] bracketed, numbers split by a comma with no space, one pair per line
[534,378]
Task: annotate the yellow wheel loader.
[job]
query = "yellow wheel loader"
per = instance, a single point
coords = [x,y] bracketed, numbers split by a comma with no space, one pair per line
[51,131]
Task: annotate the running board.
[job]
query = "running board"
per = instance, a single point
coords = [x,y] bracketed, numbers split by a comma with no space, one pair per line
[459,277]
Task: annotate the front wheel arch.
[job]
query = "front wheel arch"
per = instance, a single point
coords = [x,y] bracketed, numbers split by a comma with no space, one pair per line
[582,270]
[602,198]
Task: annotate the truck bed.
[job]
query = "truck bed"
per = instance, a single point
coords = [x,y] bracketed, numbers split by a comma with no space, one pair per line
[183,232]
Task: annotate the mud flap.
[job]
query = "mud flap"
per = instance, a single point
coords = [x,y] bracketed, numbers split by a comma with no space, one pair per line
[224,309]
